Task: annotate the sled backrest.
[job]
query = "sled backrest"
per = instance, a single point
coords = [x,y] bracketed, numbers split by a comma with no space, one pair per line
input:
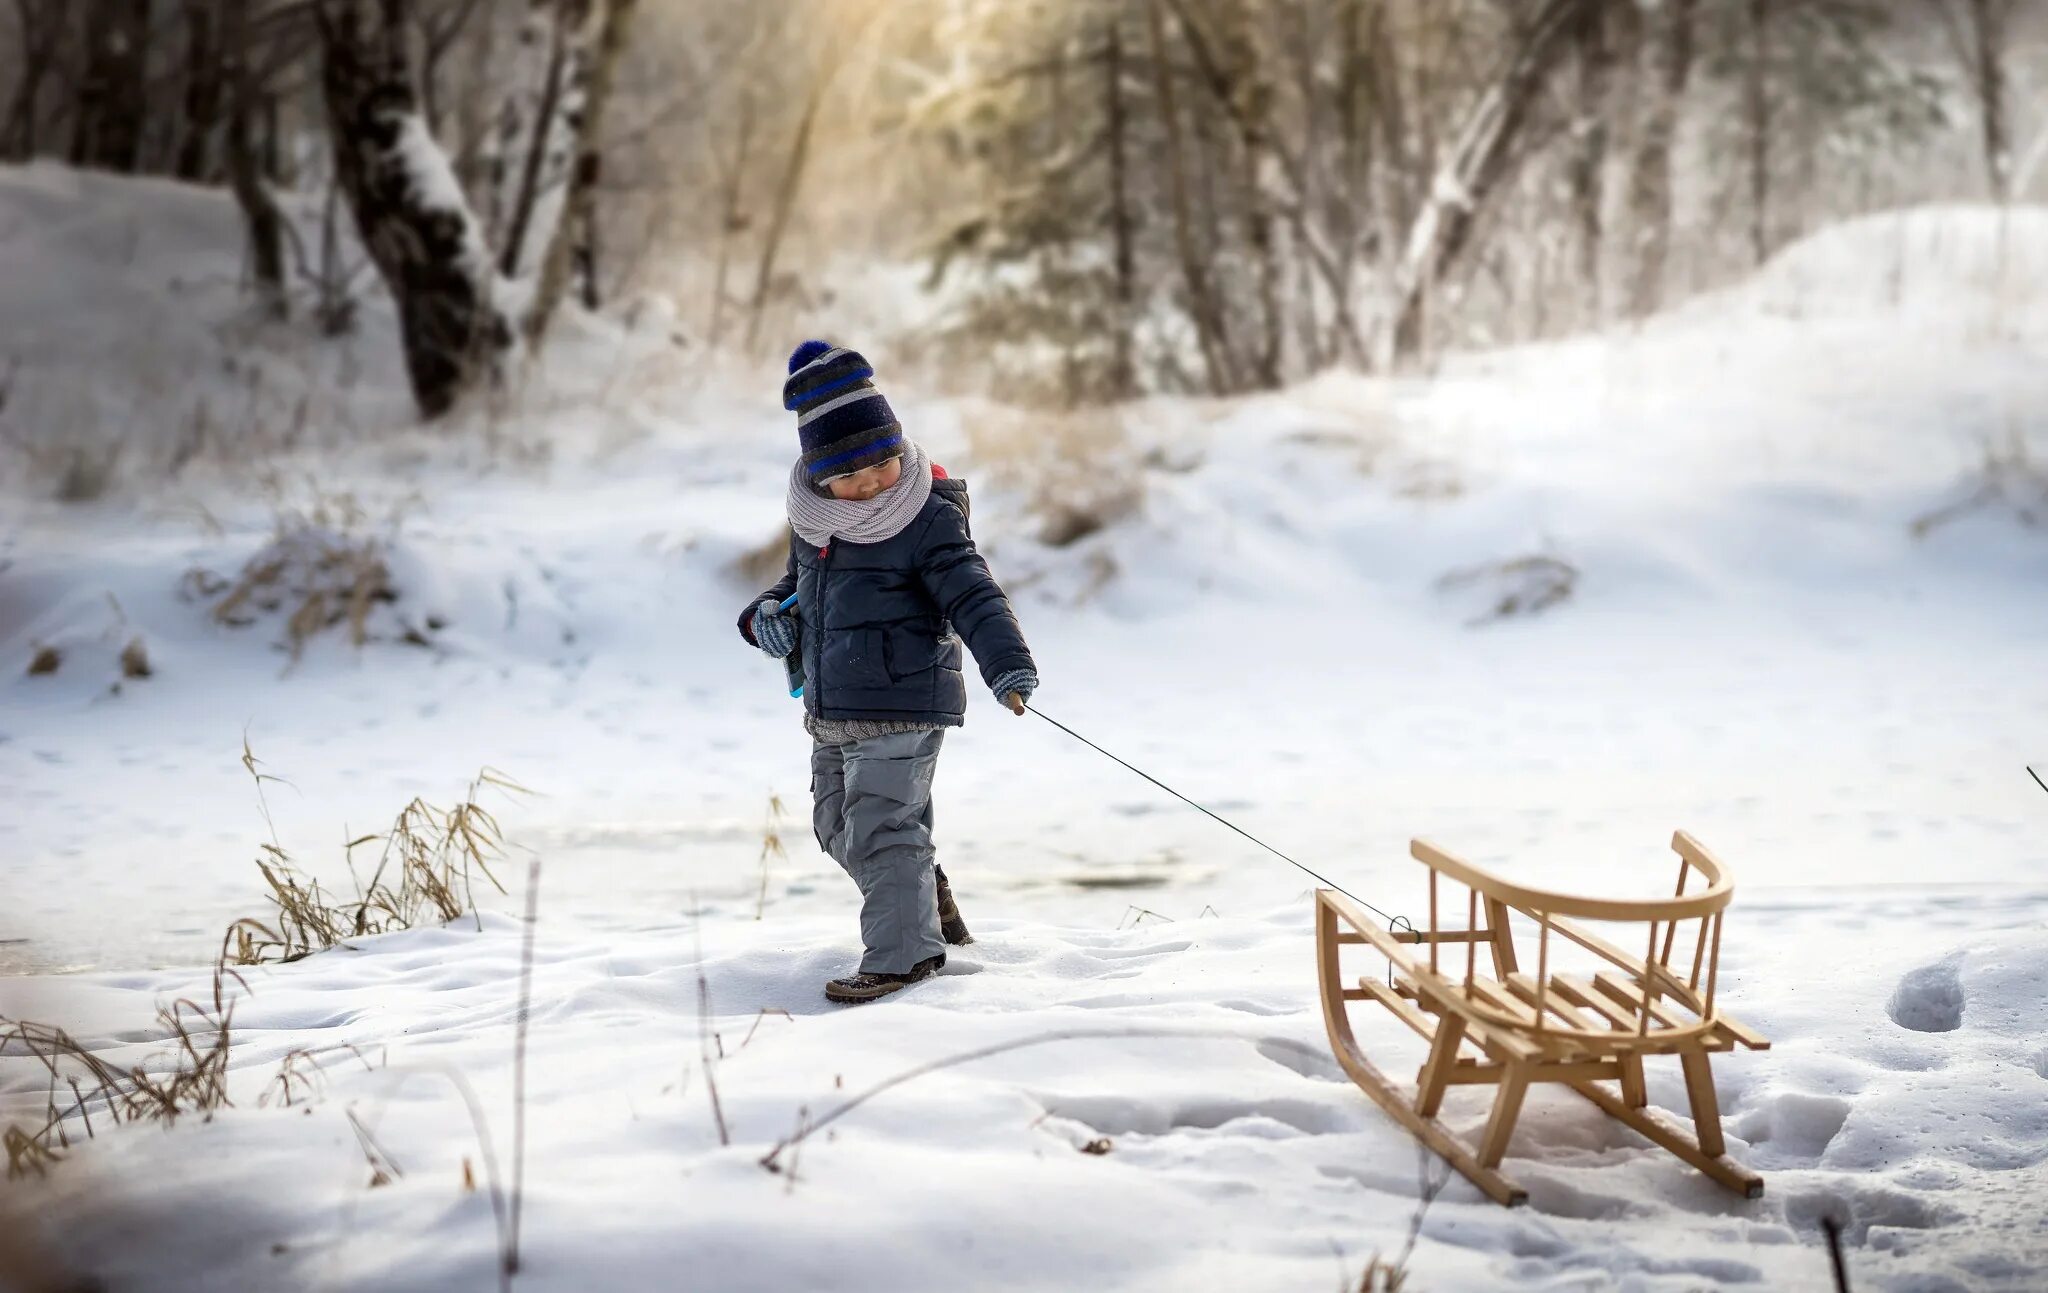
[1656,1003]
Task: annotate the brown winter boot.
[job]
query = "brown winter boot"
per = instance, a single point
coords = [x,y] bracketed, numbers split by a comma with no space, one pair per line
[856,988]
[951,927]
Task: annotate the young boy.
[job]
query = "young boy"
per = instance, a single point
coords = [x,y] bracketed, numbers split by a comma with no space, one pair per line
[885,573]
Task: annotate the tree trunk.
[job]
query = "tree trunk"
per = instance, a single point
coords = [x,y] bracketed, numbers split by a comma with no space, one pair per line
[260,213]
[1123,381]
[1988,23]
[1250,90]
[793,166]
[476,140]
[111,104]
[1194,269]
[547,172]
[1390,107]
[1471,170]
[203,89]
[1356,119]
[1757,104]
[1586,167]
[517,136]
[42,31]
[588,289]
[408,209]
[437,38]
[577,224]
[1670,51]
[732,220]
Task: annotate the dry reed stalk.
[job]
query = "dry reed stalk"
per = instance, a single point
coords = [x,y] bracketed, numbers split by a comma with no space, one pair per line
[704,1030]
[481,1129]
[384,1169]
[426,870]
[771,846]
[190,1077]
[519,1065]
[300,1073]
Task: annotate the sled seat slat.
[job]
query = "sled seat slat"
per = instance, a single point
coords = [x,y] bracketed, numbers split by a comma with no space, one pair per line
[1402,1008]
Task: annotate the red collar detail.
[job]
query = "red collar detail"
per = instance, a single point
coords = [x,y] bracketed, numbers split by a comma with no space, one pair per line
[939,473]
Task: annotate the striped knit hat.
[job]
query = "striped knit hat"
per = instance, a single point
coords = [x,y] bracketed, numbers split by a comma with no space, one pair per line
[843,421]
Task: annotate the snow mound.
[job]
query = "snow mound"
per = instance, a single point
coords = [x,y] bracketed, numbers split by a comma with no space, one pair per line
[136,350]
[1907,261]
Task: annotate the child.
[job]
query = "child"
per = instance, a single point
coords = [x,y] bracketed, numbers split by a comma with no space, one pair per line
[885,572]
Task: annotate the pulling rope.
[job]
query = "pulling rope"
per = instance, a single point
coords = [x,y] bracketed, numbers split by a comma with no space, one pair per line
[1232,825]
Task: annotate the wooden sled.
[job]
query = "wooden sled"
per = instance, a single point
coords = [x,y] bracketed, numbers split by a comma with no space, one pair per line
[1491,1021]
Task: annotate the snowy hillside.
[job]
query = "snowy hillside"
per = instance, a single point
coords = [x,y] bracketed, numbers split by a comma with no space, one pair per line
[1283,606]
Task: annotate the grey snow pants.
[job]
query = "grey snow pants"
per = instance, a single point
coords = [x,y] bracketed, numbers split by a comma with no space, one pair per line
[871,808]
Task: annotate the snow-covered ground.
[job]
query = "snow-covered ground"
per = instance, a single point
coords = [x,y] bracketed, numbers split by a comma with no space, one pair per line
[1757,648]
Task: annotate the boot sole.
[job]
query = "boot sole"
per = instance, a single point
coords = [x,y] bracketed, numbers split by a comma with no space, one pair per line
[854,998]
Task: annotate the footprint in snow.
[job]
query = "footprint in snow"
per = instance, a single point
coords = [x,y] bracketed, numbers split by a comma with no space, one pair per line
[1930,999]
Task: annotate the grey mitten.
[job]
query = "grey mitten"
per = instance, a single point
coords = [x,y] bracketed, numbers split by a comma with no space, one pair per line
[774,632]
[1021,681]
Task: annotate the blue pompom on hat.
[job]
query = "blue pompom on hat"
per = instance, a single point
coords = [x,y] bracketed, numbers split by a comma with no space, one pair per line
[842,421]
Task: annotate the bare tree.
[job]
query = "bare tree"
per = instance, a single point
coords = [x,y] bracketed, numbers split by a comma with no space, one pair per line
[1123,380]
[575,231]
[440,28]
[550,131]
[41,23]
[408,208]
[261,215]
[732,219]
[1477,161]
[204,81]
[1202,305]
[108,123]
[1594,42]
[1977,30]
[794,164]
[1670,53]
[1757,119]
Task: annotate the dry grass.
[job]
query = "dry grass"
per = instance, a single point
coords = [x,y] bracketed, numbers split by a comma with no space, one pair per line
[429,859]
[2007,480]
[135,659]
[762,565]
[325,567]
[300,1076]
[384,1169]
[1077,470]
[1522,586]
[426,869]
[1381,1276]
[189,1076]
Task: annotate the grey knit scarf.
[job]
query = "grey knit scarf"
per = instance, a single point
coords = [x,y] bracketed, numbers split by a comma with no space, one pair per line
[820,520]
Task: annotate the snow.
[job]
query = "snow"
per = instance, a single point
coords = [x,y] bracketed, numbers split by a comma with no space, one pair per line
[1756,649]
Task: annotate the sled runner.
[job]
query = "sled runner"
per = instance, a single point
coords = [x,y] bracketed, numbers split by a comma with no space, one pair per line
[1492,1018]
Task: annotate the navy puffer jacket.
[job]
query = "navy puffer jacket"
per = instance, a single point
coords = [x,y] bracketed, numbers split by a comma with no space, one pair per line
[876,617]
